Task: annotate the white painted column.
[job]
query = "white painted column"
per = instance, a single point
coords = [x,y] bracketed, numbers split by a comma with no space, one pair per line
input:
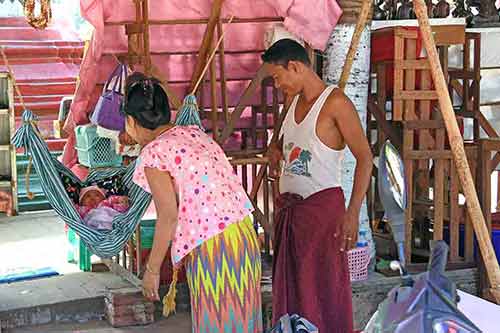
[357,90]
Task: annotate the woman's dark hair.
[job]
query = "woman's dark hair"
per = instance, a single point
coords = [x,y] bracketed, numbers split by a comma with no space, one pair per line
[146,101]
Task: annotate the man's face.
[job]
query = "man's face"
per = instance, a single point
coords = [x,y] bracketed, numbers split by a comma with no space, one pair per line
[287,79]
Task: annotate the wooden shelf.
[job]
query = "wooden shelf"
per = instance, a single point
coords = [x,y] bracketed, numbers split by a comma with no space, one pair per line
[5,183]
[7,127]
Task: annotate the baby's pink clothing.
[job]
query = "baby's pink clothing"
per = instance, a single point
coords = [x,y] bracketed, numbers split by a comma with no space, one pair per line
[210,194]
[113,201]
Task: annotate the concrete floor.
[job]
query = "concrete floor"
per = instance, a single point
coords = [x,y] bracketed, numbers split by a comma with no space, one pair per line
[36,240]
[179,323]
[33,240]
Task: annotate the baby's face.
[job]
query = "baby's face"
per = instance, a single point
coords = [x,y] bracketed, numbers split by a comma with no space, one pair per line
[92,199]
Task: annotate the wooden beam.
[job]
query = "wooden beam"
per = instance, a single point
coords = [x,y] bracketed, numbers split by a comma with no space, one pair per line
[213,97]
[259,215]
[423,124]
[145,37]
[416,95]
[243,103]
[386,127]
[173,98]
[222,65]
[249,160]
[428,154]
[413,64]
[206,44]
[458,150]
[360,26]
[492,133]
[262,170]
[262,19]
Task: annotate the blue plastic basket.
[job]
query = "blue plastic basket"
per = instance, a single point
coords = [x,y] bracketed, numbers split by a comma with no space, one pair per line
[94,151]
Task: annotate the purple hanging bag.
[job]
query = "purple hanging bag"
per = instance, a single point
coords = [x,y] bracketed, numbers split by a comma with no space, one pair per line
[107,112]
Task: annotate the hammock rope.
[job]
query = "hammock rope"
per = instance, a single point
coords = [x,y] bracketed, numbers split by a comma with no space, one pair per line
[103,243]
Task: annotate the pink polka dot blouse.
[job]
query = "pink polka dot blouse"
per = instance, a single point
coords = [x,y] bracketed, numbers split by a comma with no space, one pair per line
[210,194]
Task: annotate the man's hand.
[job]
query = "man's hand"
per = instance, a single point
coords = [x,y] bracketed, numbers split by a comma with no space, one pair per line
[351,227]
[275,156]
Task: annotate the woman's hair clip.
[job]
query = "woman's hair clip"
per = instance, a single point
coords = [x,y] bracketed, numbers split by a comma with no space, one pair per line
[148,93]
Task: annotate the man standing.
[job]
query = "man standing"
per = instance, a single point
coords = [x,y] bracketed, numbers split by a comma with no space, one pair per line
[313,229]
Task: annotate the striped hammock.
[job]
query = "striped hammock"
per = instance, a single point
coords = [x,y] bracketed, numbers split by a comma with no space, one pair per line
[104,243]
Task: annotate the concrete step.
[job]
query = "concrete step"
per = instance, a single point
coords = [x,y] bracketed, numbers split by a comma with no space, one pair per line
[47,72]
[42,98]
[13,21]
[69,298]
[46,42]
[44,60]
[32,50]
[72,298]
[40,108]
[177,323]
[66,87]
[28,33]
[36,204]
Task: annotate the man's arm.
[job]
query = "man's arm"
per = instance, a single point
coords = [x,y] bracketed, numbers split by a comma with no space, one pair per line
[275,149]
[349,125]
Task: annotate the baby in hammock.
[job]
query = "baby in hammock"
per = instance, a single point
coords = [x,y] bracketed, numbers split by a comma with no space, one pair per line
[97,210]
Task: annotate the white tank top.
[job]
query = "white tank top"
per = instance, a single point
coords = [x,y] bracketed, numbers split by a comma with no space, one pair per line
[310,166]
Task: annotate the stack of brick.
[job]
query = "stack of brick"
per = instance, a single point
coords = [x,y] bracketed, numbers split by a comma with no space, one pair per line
[128,307]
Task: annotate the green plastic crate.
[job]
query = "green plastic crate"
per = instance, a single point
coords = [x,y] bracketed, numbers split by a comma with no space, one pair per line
[78,253]
[147,230]
[94,151]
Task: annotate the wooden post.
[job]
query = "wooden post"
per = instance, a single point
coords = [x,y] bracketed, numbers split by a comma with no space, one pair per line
[223,83]
[207,42]
[213,97]
[458,150]
[145,36]
[243,102]
[360,26]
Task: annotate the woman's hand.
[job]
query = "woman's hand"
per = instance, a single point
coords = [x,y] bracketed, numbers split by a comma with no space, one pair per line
[164,197]
[150,285]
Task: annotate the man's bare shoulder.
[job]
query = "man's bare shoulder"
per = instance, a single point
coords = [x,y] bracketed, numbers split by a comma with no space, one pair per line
[338,103]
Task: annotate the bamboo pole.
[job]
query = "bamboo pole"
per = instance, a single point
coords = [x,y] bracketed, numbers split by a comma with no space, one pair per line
[360,26]
[207,41]
[200,21]
[223,83]
[459,156]
[213,96]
